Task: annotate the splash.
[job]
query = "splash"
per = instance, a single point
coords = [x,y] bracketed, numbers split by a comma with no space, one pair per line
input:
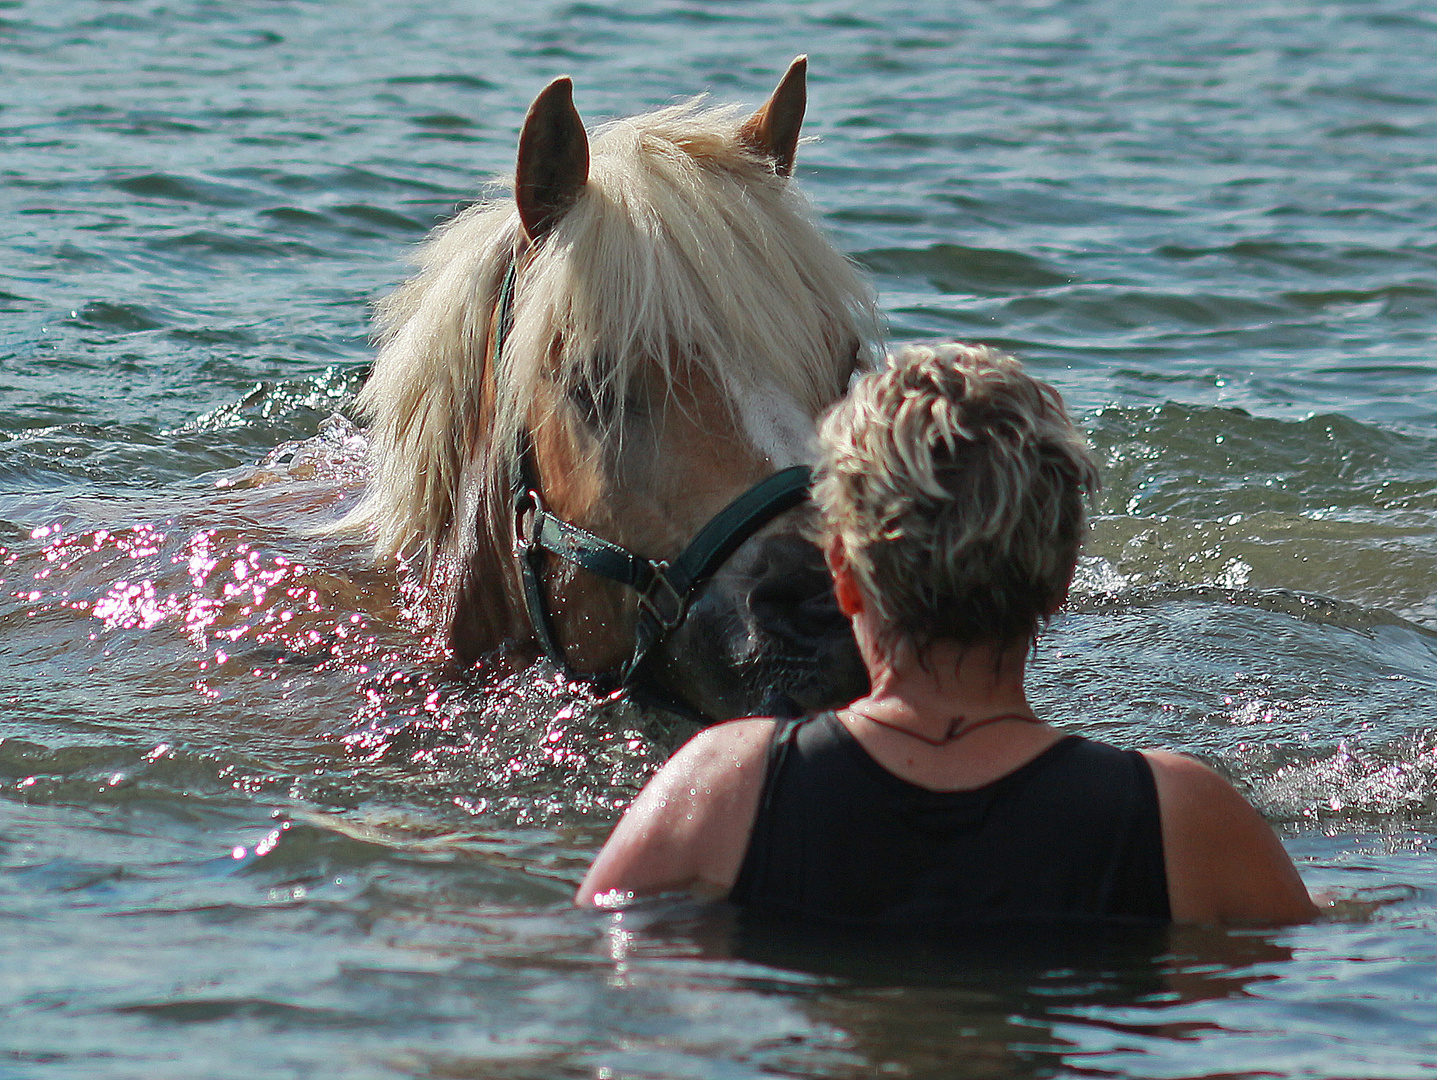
[1352,785]
[531,746]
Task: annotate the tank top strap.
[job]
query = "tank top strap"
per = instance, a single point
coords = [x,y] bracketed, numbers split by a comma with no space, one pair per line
[785,732]
[753,871]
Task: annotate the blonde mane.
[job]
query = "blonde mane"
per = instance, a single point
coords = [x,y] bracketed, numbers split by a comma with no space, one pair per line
[684,247]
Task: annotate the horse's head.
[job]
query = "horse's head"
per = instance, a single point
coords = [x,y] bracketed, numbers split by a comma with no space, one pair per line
[579,381]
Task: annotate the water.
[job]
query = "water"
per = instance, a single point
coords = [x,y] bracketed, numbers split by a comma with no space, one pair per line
[251,825]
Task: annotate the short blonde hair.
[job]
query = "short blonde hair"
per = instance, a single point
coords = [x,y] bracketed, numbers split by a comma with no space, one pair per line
[955,482]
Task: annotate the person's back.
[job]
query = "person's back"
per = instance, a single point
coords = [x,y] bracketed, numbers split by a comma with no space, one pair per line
[1074,833]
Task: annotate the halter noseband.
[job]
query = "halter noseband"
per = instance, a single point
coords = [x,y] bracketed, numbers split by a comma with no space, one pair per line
[664,588]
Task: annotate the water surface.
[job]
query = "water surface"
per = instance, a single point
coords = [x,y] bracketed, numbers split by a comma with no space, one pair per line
[251,824]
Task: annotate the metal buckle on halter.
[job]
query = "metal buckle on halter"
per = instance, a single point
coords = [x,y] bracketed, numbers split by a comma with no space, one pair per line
[525,503]
[651,602]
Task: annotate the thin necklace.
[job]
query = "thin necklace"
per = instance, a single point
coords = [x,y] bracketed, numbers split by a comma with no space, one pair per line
[955,731]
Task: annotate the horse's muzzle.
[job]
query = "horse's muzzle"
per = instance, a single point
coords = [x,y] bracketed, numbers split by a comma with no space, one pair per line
[763,637]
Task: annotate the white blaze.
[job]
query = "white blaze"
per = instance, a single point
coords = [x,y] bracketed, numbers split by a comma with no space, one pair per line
[777,426]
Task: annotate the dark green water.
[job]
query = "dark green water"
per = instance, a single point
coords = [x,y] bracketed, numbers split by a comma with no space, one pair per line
[251,826]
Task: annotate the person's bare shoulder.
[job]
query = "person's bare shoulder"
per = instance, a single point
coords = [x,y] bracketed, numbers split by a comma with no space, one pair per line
[1224,862]
[689,828]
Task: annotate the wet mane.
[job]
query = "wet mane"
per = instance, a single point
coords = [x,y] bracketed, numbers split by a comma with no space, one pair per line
[683,248]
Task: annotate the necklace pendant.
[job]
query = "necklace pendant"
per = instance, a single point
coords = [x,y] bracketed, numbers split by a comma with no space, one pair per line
[957,727]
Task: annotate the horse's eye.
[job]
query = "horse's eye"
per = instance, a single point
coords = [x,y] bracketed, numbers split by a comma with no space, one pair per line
[595,404]
[600,404]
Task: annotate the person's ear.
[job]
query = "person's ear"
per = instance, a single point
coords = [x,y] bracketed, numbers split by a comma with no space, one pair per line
[1062,597]
[845,588]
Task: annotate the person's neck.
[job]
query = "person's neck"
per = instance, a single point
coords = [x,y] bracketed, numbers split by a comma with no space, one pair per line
[966,684]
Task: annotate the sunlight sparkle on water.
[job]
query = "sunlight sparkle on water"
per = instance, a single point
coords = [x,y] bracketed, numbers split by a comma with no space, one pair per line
[215,590]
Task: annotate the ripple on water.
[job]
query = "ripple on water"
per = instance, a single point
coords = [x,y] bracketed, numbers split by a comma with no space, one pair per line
[187,189]
[125,318]
[1326,505]
[951,268]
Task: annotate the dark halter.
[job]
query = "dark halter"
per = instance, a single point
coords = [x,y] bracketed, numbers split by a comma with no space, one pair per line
[664,588]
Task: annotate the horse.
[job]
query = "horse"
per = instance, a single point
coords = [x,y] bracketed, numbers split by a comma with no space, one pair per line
[593,407]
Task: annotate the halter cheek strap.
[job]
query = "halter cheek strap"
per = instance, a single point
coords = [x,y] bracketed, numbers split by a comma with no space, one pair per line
[665,588]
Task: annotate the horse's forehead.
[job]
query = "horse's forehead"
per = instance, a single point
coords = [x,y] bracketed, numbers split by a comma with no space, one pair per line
[776,423]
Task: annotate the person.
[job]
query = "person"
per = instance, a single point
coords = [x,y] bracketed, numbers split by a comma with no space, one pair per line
[950,497]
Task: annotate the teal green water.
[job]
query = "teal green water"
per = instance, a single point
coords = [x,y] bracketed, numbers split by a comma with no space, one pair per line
[251,826]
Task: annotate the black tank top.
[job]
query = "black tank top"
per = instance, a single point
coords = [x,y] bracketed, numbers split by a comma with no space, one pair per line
[1073,834]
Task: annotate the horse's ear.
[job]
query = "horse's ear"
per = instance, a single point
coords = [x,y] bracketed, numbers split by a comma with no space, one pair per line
[553,159]
[773,130]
